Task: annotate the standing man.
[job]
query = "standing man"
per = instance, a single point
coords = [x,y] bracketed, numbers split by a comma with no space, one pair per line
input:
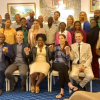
[56,19]
[50,30]
[7,16]
[17,24]
[97,16]
[6,53]
[31,19]
[40,19]
[81,57]
[20,62]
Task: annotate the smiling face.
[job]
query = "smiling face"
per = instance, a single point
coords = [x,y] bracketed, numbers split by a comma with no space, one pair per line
[40,19]
[2,38]
[40,42]
[31,13]
[77,26]
[19,36]
[97,14]
[56,16]
[8,23]
[78,37]
[7,16]
[62,26]
[69,20]
[17,18]
[50,20]
[23,22]
[36,24]
[82,16]
[62,39]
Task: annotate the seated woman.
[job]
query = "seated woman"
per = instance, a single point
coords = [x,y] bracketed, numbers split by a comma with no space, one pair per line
[61,58]
[35,29]
[77,27]
[10,33]
[40,62]
[65,32]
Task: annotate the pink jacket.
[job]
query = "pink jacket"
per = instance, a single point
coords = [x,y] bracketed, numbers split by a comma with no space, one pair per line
[68,37]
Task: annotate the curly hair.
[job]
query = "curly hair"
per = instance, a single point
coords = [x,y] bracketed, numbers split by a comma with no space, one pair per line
[43,36]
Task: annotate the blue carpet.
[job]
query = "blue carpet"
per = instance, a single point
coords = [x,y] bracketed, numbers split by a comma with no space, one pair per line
[44,94]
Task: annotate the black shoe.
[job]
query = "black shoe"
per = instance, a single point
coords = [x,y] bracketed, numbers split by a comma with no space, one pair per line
[85,88]
[23,88]
[13,88]
[0,91]
[80,88]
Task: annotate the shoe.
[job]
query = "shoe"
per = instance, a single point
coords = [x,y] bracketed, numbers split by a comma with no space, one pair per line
[0,91]
[37,89]
[13,88]
[85,88]
[74,88]
[62,95]
[23,88]
[32,89]
[80,88]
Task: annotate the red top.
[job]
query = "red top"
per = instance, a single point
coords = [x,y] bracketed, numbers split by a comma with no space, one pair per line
[84,36]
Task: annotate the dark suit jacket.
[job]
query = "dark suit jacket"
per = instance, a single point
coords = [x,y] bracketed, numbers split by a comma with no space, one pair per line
[33,54]
[7,56]
[20,28]
[25,57]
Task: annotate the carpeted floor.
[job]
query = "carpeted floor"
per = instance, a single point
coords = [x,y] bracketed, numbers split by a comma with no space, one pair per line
[44,94]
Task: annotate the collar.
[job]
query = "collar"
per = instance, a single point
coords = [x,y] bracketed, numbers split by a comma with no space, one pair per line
[80,43]
[42,48]
[63,32]
[19,44]
[2,45]
[32,20]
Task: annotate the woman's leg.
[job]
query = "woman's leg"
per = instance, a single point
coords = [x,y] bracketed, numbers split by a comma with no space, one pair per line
[33,78]
[41,77]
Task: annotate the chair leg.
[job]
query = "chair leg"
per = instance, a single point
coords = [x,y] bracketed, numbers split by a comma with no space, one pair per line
[29,83]
[51,82]
[48,83]
[6,84]
[54,80]
[91,86]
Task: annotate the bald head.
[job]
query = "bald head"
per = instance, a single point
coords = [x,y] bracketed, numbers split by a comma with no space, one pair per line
[2,38]
[40,19]
[31,14]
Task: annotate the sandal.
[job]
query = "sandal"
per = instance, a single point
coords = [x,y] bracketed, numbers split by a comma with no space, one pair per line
[37,89]
[74,88]
[62,95]
[32,89]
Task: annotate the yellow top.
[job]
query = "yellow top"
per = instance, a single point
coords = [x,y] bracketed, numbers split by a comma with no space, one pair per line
[9,35]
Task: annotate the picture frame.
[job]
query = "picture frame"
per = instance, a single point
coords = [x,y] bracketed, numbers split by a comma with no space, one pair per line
[20,8]
[94,5]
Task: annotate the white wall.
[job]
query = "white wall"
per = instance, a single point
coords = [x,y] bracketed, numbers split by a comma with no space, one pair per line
[3,5]
[85,6]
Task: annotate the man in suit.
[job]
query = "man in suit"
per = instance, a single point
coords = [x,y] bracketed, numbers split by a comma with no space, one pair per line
[6,53]
[20,62]
[82,57]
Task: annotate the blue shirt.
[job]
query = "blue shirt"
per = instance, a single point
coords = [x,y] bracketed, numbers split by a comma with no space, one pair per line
[60,56]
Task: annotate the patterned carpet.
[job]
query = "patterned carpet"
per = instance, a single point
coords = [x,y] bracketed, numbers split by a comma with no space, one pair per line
[44,94]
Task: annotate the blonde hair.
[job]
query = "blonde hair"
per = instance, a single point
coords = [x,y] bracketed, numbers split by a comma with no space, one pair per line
[72,21]
[85,17]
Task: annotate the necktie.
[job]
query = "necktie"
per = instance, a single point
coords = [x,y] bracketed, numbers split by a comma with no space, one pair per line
[79,53]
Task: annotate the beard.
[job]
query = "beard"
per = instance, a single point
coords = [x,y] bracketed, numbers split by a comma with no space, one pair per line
[96,17]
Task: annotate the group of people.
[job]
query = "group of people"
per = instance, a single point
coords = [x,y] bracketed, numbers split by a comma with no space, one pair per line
[30,45]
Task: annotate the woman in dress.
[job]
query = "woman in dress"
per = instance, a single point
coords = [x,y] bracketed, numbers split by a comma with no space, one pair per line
[40,56]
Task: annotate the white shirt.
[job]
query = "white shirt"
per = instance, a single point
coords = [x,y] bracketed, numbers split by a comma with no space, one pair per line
[82,24]
[15,25]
